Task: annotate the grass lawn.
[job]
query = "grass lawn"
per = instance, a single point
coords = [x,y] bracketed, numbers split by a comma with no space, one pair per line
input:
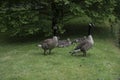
[25,61]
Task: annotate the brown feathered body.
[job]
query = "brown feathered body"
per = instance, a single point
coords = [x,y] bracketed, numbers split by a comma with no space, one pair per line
[84,46]
[79,40]
[49,44]
[64,43]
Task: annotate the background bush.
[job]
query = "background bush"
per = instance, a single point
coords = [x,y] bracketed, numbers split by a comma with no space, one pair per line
[28,17]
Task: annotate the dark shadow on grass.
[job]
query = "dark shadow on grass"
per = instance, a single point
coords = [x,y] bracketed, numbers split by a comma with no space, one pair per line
[42,54]
[119,78]
[16,78]
[81,55]
[37,53]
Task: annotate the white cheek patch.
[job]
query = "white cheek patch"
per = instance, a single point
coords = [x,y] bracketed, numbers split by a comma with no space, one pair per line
[39,45]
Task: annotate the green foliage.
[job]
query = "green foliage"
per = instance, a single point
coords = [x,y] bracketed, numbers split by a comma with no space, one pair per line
[97,10]
[117,9]
[28,17]
[24,21]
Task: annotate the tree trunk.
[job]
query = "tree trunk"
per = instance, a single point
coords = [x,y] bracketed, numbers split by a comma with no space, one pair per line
[54,19]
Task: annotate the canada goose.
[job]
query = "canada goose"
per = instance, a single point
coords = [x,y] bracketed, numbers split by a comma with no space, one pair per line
[64,43]
[49,44]
[79,40]
[86,44]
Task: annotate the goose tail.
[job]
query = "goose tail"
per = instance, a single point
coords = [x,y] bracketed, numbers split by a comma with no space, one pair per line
[75,51]
[40,45]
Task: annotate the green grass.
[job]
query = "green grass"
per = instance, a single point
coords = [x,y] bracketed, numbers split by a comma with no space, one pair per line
[25,61]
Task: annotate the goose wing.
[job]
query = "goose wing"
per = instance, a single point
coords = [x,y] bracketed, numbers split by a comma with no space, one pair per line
[47,43]
[84,46]
[87,45]
[79,46]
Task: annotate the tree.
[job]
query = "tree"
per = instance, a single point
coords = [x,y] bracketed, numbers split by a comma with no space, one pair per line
[30,17]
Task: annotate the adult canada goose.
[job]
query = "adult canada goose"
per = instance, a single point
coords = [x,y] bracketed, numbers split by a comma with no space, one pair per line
[79,40]
[49,44]
[64,43]
[86,44]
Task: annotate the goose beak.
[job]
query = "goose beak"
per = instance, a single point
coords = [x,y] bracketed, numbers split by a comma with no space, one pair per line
[93,24]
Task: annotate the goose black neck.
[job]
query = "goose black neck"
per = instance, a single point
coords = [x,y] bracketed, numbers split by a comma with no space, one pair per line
[55,30]
[89,30]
